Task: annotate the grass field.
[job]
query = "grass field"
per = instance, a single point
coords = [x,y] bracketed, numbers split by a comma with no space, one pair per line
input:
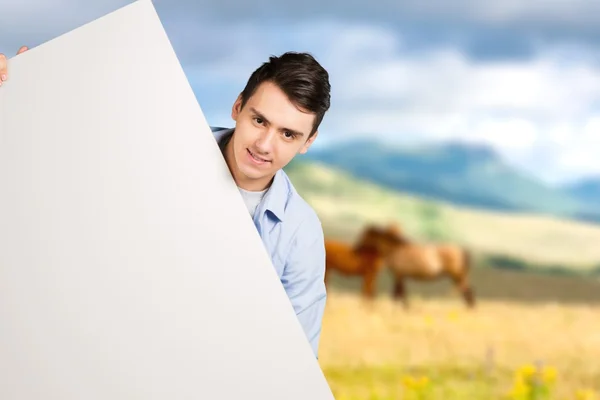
[345,205]
[368,350]
[495,285]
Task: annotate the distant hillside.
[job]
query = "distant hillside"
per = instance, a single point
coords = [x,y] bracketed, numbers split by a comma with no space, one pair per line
[458,173]
[588,192]
[585,189]
[345,203]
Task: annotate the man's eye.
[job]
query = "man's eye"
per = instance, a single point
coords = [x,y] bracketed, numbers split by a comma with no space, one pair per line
[258,120]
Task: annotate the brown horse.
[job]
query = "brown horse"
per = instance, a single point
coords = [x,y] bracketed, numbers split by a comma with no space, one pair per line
[423,262]
[364,259]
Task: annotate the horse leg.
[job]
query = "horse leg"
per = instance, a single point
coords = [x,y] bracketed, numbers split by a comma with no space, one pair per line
[399,292]
[466,291]
[369,280]
[469,297]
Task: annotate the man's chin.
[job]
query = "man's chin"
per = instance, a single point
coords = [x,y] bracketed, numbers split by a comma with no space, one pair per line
[255,173]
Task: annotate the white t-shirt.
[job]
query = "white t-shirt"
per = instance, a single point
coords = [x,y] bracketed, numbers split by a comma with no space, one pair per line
[252,199]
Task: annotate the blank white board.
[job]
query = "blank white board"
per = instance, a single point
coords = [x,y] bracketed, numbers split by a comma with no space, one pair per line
[129,266]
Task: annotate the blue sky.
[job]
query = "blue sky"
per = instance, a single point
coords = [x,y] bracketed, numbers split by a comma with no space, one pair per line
[523,77]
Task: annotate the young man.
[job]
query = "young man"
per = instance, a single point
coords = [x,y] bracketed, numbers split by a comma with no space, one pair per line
[277,115]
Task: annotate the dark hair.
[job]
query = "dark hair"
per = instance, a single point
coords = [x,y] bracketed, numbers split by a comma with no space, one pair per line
[300,77]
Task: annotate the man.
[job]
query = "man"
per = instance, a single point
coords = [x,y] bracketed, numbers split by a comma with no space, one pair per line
[277,115]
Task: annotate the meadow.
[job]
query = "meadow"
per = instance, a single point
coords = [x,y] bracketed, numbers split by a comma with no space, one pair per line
[535,333]
[380,351]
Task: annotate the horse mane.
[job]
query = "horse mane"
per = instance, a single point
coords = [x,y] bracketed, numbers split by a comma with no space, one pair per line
[360,247]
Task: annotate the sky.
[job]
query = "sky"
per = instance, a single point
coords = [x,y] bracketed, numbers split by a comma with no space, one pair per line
[523,77]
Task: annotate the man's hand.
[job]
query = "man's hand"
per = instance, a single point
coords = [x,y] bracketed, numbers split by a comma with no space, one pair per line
[4,64]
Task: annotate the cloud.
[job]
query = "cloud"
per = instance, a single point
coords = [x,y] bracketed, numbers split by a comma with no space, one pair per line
[482,29]
[582,154]
[571,13]
[405,70]
[537,113]
[32,22]
[518,107]
[566,13]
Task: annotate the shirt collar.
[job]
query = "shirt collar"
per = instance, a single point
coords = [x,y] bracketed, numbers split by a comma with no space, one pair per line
[275,200]
[277,196]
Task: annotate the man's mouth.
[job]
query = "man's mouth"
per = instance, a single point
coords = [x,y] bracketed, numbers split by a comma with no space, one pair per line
[256,158]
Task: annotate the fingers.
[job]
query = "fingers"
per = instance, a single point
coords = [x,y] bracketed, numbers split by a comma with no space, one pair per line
[3,66]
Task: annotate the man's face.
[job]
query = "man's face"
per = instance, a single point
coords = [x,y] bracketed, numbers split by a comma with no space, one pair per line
[269,132]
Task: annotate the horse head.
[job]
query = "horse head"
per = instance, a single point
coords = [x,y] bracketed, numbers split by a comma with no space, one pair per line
[377,240]
[393,237]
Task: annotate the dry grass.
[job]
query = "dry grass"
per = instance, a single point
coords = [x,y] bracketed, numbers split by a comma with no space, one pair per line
[366,347]
[535,238]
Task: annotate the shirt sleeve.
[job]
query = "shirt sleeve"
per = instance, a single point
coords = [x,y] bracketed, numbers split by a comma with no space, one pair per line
[303,279]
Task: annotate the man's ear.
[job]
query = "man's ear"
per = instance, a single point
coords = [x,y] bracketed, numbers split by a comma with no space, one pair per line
[237,108]
[308,143]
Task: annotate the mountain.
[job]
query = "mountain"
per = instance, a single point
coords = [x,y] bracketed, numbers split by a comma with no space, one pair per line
[515,241]
[587,190]
[458,173]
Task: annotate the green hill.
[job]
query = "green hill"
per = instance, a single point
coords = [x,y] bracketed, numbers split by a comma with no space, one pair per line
[346,203]
[458,173]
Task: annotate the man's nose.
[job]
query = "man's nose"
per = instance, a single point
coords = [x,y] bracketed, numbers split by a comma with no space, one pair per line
[264,143]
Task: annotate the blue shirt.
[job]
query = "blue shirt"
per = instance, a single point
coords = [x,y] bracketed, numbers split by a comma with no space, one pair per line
[293,236]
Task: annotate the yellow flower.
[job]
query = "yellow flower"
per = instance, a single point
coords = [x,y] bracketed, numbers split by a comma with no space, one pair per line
[549,375]
[422,382]
[585,394]
[520,386]
[453,315]
[525,374]
[520,389]
[408,381]
[414,383]
[527,371]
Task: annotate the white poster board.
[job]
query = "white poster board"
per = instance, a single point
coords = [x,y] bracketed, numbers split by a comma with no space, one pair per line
[129,266]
